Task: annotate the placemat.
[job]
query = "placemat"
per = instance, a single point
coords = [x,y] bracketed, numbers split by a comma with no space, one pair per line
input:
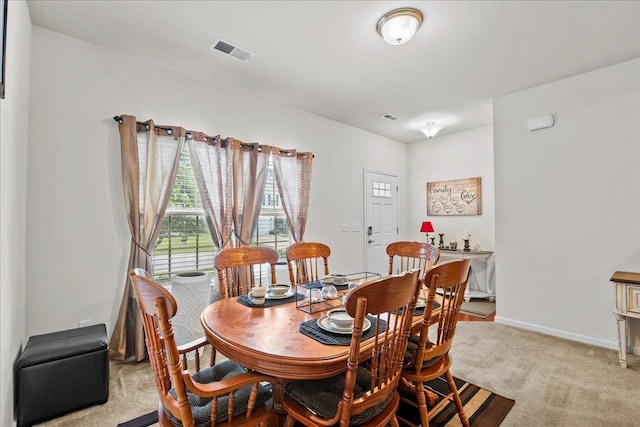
[420,310]
[311,329]
[244,300]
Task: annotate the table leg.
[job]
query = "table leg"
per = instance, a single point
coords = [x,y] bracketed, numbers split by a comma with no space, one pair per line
[278,397]
[467,293]
[622,339]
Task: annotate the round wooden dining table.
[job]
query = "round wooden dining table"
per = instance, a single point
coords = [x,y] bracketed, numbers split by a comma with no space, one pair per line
[267,340]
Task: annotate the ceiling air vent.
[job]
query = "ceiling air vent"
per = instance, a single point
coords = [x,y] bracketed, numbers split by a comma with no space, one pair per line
[389,117]
[231,50]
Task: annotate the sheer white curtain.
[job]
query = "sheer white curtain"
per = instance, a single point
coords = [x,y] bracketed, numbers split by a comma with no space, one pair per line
[250,165]
[293,176]
[150,155]
[212,163]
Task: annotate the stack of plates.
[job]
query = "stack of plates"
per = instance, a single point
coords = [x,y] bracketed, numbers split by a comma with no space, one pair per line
[287,294]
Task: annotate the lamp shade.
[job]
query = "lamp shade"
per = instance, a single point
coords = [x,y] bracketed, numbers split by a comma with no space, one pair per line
[431,129]
[426,227]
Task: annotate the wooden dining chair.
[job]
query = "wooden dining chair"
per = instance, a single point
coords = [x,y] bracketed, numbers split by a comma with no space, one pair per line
[404,256]
[224,393]
[366,394]
[191,347]
[239,268]
[428,356]
[307,262]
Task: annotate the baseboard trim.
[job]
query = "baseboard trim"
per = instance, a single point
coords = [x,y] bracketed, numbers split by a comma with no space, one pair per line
[613,345]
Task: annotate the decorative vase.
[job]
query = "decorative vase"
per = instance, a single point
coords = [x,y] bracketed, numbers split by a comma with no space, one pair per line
[466,245]
[192,291]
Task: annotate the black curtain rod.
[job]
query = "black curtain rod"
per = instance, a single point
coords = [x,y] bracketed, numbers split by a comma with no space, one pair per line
[168,130]
[188,134]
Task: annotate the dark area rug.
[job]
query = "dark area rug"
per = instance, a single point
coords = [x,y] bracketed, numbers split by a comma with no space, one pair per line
[142,421]
[483,407]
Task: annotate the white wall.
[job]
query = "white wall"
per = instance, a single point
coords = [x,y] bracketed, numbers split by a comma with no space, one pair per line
[455,156]
[78,238]
[14,137]
[567,202]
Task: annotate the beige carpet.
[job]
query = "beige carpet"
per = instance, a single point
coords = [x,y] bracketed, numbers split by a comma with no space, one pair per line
[554,382]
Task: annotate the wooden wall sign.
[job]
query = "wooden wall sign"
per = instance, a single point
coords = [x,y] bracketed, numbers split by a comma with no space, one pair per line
[455,197]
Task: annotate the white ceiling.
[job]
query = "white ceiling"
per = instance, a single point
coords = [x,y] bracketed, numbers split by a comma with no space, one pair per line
[325,57]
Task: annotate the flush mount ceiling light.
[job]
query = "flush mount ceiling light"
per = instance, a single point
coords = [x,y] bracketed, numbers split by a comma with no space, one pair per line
[399,25]
[431,129]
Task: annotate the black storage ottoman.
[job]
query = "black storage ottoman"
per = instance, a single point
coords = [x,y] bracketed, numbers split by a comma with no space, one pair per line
[61,372]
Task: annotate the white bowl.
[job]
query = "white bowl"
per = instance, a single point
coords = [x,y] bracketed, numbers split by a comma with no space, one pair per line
[279,290]
[339,279]
[340,318]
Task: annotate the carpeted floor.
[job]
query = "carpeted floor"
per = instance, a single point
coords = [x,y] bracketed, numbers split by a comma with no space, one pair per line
[554,382]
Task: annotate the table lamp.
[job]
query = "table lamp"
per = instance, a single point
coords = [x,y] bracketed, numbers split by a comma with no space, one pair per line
[426,227]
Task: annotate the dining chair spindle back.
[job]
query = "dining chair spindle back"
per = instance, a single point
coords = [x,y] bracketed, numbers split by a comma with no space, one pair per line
[366,394]
[428,355]
[223,393]
[404,256]
[239,269]
[307,262]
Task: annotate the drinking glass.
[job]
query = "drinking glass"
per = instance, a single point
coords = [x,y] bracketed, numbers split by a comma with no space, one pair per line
[352,285]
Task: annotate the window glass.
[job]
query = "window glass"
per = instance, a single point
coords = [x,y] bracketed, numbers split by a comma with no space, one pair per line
[184,242]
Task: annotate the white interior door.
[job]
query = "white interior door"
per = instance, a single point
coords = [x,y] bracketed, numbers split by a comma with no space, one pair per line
[381,218]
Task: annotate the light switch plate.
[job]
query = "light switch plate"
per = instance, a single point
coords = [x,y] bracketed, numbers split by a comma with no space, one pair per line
[345,227]
[356,227]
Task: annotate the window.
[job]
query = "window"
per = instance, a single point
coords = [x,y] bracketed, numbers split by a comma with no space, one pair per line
[382,189]
[184,243]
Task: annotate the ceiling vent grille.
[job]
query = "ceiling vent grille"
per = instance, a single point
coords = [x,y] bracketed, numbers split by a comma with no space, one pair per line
[231,50]
[389,117]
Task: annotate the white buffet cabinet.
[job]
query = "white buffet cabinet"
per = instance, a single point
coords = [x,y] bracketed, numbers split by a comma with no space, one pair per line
[482,283]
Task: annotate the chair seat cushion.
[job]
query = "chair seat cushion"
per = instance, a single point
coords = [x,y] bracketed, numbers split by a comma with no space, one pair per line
[412,347]
[201,406]
[322,396]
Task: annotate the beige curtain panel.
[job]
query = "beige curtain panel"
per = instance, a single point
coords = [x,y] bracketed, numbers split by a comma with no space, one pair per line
[250,164]
[212,164]
[150,156]
[293,177]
